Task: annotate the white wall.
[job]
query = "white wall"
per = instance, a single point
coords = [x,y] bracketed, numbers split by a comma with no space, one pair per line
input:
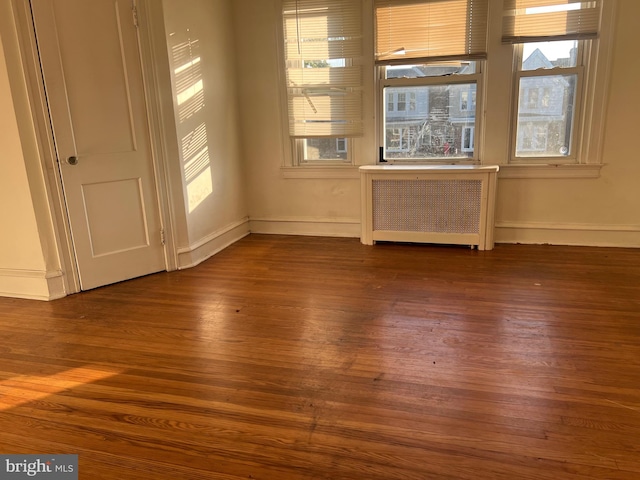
[601,211]
[29,265]
[201,52]
[277,204]
[19,242]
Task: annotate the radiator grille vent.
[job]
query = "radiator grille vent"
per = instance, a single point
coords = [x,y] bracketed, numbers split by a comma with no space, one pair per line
[438,206]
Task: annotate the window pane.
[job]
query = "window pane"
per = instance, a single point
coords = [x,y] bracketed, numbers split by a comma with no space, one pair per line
[545,116]
[437,123]
[549,54]
[325,148]
[430,70]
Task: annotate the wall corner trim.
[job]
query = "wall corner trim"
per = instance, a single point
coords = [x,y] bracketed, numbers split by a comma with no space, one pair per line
[211,244]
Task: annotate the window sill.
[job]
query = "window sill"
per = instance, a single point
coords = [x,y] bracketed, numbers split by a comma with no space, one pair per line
[328,172]
[550,171]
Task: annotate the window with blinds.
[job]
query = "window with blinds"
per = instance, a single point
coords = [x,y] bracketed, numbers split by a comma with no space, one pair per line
[429,55]
[546,20]
[323,54]
[430,30]
[438,93]
[549,38]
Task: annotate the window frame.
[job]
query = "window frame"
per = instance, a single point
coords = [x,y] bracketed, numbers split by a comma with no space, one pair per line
[575,143]
[382,83]
[472,135]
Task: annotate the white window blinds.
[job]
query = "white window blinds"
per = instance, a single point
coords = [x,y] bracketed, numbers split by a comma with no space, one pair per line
[546,20]
[323,54]
[428,30]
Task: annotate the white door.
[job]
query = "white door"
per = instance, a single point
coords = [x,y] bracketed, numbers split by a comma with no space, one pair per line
[93,81]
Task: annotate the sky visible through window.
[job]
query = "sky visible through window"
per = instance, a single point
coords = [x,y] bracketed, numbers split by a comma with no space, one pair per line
[551,50]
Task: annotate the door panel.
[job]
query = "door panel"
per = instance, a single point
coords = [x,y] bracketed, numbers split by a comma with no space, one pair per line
[105,87]
[93,79]
[128,211]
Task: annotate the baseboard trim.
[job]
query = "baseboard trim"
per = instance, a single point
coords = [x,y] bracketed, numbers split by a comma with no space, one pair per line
[49,285]
[211,244]
[627,236]
[32,284]
[320,227]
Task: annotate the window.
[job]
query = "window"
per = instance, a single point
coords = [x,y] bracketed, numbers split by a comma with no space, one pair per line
[322,149]
[532,137]
[429,60]
[433,116]
[401,101]
[550,38]
[440,95]
[322,53]
[467,139]
[402,138]
[547,84]
[468,100]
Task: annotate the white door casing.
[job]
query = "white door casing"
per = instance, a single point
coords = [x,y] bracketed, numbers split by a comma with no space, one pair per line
[93,80]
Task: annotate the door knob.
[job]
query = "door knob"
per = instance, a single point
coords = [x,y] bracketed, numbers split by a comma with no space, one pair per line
[73,160]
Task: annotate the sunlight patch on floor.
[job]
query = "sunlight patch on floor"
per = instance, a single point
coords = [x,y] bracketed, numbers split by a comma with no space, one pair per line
[22,389]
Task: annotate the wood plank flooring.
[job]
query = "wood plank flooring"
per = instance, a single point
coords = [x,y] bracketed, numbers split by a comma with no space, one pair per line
[288,357]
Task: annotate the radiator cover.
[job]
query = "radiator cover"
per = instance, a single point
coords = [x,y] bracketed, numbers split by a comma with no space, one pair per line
[438,204]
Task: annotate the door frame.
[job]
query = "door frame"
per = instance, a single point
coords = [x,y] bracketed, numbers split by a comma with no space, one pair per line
[149,32]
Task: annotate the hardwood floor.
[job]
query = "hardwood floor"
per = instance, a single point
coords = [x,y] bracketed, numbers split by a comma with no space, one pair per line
[320,358]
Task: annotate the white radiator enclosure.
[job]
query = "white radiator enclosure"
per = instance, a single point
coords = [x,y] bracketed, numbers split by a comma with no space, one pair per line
[449,204]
